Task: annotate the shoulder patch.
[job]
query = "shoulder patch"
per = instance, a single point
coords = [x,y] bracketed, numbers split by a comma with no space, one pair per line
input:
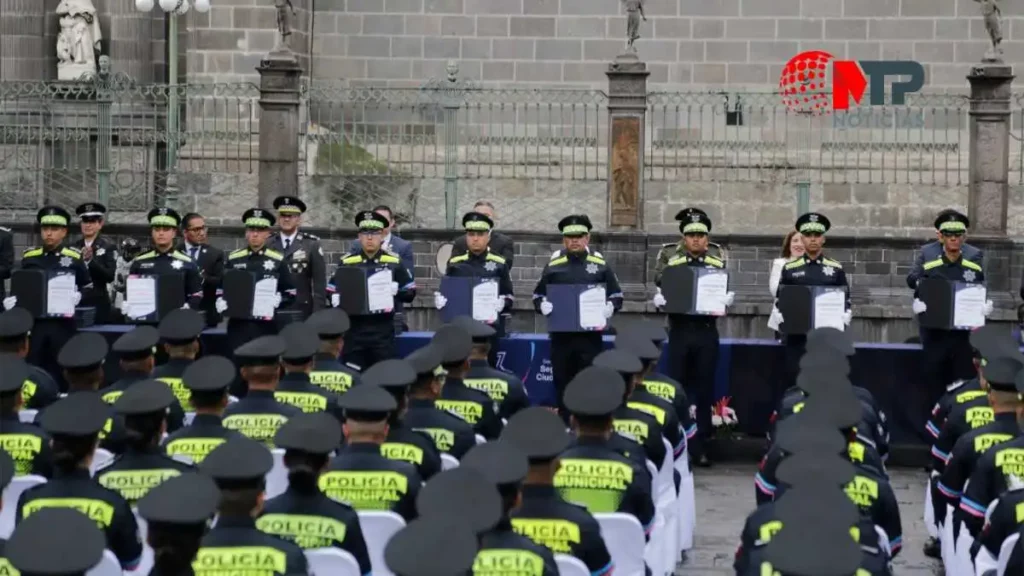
[390,259]
[353,366]
[273,254]
[459,258]
[595,259]
[932,264]
[559,261]
[146,255]
[955,385]
[71,252]
[970,265]
[356,259]
[676,260]
[311,236]
[32,253]
[178,255]
[795,263]
[495,258]
[714,262]
[556,254]
[832,263]
[238,253]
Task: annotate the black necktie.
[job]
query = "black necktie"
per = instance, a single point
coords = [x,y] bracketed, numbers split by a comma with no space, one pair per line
[287,243]
[195,253]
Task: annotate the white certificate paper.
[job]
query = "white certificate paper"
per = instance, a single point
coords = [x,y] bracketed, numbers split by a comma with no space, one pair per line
[969,307]
[485,302]
[829,308]
[592,304]
[710,296]
[378,292]
[140,292]
[264,296]
[60,296]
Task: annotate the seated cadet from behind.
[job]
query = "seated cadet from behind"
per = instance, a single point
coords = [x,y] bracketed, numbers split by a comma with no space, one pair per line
[137,351]
[259,414]
[143,465]
[329,373]
[961,391]
[543,515]
[403,444]
[27,444]
[303,514]
[177,513]
[207,380]
[295,388]
[6,475]
[473,406]
[40,389]
[359,475]
[56,542]
[639,426]
[234,545]
[659,384]
[74,423]
[413,550]
[504,388]
[451,434]
[81,361]
[179,332]
[1002,522]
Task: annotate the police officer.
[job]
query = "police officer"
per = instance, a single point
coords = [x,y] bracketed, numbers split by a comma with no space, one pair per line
[659,383]
[504,388]
[207,380]
[998,470]
[302,254]
[372,337]
[55,541]
[1002,522]
[636,425]
[543,515]
[295,388]
[7,472]
[137,351]
[303,514]
[81,360]
[164,258]
[574,351]
[179,332]
[359,474]
[234,544]
[53,257]
[328,373]
[471,405]
[143,465]
[693,339]
[177,513]
[27,444]
[74,423]
[450,433]
[259,415]
[39,388]
[100,254]
[412,551]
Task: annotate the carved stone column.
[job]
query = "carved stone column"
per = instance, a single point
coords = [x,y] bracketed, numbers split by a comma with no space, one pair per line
[280,75]
[989,147]
[627,110]
[23,53]
[129,36]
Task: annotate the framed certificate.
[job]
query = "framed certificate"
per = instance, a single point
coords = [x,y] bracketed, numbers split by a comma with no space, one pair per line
[695,291]
[363,292]
[577,307]
[250,295]
[150,297]
[475,297]
[951,305]
[805,308]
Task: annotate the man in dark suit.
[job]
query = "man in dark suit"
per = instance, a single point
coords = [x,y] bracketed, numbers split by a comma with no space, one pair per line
[399,247]
[6,258]
[209,259]
[100,255]
[499,243]
[303,255]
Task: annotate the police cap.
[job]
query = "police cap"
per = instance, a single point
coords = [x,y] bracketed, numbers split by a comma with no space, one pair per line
[841,509]
[163,218]
[181,327]
[138,343]
[263,351]
[830,338]
[85,351]
[239,460]
[1001,372]
[575,225]
[188,499]
[55,542]
[425,360]
[799,433]
[301,343]
[622,361]
[6,470]
[209,374]
[477,222]
[952,221]
[477,330]
[329,323]
[808,467]
[655,332]
[15,323]
[830,362]
[91,210]
[461,494]
[693,221]
[289,205]
[836,406]
[432,547]
[390,374]
[595,391]
[635,341]
[812,542]
[501,462]
[992,340]
[369,221]
[146,397]
[538,432]
[813,223]
[81,414]
[315,433]
[15,373]
[258,218]
[53,216]
[367,403]
[455,343]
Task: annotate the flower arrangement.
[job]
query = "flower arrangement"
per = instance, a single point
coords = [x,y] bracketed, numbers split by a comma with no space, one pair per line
[723,418]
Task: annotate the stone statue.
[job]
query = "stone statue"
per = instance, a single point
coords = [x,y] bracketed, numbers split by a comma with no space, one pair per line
[991,13]
[635,10]
[79,39]
[285,13]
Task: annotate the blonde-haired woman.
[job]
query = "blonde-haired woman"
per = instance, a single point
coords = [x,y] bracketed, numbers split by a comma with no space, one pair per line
[792,247]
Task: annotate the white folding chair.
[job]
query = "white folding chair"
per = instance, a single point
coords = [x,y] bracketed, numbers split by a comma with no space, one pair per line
[378,528]
[883,540]
[624,537]
[688,505]
[189,417]
[570,566]
[667,500]
[108,566]
[480,439]
[99,460]
[27,416]
[183,458]
[277,478]
[331,562]
[1005,551]
[11,494]
[147,559]
[929,510]
[654,549]
[946,541]
[984,560]
[448,462]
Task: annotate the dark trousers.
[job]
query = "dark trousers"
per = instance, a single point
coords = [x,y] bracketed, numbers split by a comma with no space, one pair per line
[239,333]
[793,346]
[693,358]
[571,352]
[947,357]
[48,337]
[369,342]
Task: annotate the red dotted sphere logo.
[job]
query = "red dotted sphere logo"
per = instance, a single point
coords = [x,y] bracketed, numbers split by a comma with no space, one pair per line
[804,84]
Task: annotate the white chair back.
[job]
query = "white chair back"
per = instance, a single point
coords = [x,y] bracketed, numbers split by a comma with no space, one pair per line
[929,509]
[883,540]
[378,528]
[984,560]
[623,535]
[108,566]
[331,562]
[8,515]
[27,416]
[189,417]
[100,459]
[1005,551]
[183,458]
[448,462]
[277,478]
[480,439]
[688,502]
[570,566]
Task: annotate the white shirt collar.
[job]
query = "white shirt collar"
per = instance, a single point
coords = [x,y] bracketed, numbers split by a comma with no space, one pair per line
[387,240]
[190,247]
[291,238]
[87,242]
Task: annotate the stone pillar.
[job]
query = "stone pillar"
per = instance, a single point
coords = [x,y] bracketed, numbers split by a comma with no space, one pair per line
[23,54]
[128,36]
[280,74]
[989,147]
[627,110]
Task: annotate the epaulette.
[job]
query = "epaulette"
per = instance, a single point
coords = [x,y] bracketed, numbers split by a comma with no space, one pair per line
[832,263]
[390,259]
[556,253]
[714,262]
[955,385]
[598,254]
[676,260]
[596,259]
[238,253]
[146,255]
[559,261]
[932,264]
[311,236]
[354,259]
[459,258]
[71,253]
[32,253]
[495,258]
[273,254]
[178,255]
[354,366]
[669,244]
[795,263]
[970,265]
[388,250]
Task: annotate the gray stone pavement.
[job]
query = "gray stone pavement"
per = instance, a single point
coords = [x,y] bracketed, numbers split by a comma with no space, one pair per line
[725,496]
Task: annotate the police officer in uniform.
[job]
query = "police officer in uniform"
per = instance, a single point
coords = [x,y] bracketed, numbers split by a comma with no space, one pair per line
[359,474]
[27,444]
[164,258]
[1000,524]
[177,513]
[638,426]
[74,423]
[179,332]
[303,514]
[136,349]
[450,433]
[471,405]
[543,515]
[235,544]
[659,383]
[412,551]
[303,256]
[54,541]
[295,388]
[504,388]
[574,351]
[6,475]
[207,380]
[100,254]
[39,388]
[260,414]
[372,337]
[329,373]
[53,257]
[81,361]
[143,465]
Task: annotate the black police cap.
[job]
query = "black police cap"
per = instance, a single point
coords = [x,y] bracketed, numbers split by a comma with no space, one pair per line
[828,361]
[693,221]
[209,374]
[655,332]
[301,343]
[53,216]
[329,323]
[538,432]
[813,223]
[831,338]
[90,209]
[164,217]
[636,342]
[477,330]
[1001,372]
[838,406]
[992,340]
[138,343]
[575,225]
[799,433]
[83,352]
[595,391]
[455,343]
[367,403]
[426,359]
[477,222]
[501,462]
[240,459]
[807,467]
[952,220]
[289,205]
[316,433]
[461,494]
[188,499]
[80,414]
[432,547]
[146,397]
[390,374]
[258,218]
[15,323]
[263,351]
[841,510]
[622,361]
[15,372]
[6,471]
[55,542]
[181,327]
[813,543]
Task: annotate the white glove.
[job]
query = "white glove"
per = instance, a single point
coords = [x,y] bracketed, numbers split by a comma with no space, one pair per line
[776,316]
[609,309]
[988,308]
[546,307]
[221,305]
[499,305]
[729,297]
[919,307]
[658,300]
[185,306]
[847,317]
[77,297]
[277,300]
[10,302]
[394,288]
[335,300]
[440,301]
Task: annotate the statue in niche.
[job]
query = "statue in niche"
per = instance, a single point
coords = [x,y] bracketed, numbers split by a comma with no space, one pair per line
[285,13]
[635,11]
[991,13]
[79,39]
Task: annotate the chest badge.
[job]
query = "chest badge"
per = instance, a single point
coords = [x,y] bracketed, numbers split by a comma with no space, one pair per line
[101,251]
[829,271]
[490,266]
[177,264]
[268,265]
[65,261]
[591,268]
[299,255]
[969,276]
